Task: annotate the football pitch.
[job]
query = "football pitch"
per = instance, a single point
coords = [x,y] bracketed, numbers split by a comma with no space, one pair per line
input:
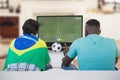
[68,28]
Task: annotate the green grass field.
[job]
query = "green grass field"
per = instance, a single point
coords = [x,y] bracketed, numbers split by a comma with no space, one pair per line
[68,28]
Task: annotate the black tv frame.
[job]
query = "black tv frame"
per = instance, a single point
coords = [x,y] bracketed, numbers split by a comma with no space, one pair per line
[49,44]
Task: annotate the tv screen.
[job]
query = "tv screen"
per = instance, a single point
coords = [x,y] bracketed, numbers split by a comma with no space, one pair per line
[67,28]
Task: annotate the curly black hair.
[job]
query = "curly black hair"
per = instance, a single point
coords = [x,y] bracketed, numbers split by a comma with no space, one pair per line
[30,26]
[93,22]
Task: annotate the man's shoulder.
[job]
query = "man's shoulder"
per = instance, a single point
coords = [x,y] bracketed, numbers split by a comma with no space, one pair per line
[40,40]
[80,39]
[109,39]
[12,41]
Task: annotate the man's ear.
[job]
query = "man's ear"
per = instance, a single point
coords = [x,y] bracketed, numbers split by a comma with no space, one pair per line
[86,33]
[99,31]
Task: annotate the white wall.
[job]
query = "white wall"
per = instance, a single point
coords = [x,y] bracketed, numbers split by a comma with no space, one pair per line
[35,8]
[109,22]
[31,9]
[14,3]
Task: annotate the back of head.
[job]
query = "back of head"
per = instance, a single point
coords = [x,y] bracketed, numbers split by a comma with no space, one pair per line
[30,27]
[92,27]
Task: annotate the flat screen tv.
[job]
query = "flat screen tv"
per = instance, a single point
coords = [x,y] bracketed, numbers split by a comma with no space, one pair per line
[67,28]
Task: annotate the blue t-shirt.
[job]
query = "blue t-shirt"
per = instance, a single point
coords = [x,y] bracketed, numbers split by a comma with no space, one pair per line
[94,53]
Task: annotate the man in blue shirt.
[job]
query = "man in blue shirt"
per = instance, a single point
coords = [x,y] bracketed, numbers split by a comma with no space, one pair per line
[93,52]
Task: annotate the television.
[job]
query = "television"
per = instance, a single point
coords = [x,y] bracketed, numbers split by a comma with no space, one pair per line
[67,28]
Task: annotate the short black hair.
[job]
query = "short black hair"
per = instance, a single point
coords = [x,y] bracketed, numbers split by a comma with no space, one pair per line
[93,22]
[30,26]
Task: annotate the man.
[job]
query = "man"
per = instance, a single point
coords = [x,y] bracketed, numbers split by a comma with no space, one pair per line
[93,52]
[28,52]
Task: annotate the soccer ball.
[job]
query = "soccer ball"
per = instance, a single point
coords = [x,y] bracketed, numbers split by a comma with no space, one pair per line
[56,47]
